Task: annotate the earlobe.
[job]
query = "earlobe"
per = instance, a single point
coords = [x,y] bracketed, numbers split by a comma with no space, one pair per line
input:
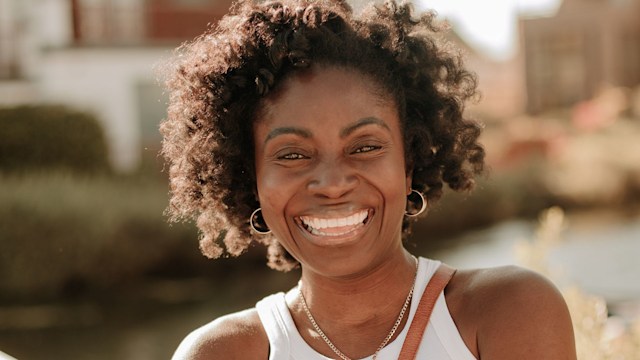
[408,182]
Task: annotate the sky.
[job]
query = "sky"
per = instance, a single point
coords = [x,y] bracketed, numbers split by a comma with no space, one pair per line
[489,26]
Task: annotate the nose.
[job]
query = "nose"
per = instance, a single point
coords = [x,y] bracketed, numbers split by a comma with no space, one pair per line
[332,180]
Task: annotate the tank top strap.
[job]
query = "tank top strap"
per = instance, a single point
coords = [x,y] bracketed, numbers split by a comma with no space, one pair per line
[274,325]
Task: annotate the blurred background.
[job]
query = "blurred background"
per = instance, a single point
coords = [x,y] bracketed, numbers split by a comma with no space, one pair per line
[89,268]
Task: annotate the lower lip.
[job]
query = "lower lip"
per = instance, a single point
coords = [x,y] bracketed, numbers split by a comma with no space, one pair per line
[336,240]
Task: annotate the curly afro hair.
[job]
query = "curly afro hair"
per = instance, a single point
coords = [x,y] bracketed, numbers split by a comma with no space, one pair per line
[217,84]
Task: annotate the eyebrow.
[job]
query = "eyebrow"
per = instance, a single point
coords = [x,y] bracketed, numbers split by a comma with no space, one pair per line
[370,120]
[288,130]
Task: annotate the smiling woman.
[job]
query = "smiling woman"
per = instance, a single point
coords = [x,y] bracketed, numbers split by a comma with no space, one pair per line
[338,177]
[321,134]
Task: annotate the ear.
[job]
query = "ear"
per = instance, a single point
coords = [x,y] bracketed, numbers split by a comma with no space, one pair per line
[256,195]
[408,181]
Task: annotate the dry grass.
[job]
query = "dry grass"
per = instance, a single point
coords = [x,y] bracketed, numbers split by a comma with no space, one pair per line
[598,337]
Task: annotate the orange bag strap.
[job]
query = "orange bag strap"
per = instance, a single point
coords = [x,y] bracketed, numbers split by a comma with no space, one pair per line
[436,285]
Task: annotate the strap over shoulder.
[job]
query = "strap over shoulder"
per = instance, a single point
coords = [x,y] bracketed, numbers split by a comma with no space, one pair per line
[436,285]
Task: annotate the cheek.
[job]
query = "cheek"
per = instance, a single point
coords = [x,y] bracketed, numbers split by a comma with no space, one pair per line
[397,195]
[274,191]
[395,190]
[391,177]
[395,199]
[268,190]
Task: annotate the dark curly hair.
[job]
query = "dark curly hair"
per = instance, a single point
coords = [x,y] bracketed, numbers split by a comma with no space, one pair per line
[217,84]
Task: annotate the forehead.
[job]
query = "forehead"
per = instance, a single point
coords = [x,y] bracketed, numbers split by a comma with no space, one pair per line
[326,94]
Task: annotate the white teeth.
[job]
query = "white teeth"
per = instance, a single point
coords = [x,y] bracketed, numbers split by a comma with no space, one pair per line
[314,223]
[320,233]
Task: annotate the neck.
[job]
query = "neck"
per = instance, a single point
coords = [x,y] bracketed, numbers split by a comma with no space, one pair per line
[364,305]
[380,276]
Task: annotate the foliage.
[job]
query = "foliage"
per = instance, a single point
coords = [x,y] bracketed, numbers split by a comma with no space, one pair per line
[62,233]
[50,137]
[598,337]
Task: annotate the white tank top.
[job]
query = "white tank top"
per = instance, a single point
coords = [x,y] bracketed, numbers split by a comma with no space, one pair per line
[441,340]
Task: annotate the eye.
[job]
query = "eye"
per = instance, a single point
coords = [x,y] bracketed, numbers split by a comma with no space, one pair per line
[366,149]
[292,156]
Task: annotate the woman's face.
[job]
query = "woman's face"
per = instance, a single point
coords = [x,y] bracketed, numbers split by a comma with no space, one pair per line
[330,170]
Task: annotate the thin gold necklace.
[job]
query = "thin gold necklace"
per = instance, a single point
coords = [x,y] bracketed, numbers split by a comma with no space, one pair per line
[384,342]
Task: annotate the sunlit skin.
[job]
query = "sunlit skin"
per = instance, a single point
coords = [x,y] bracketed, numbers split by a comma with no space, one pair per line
[324,154]
[328,144]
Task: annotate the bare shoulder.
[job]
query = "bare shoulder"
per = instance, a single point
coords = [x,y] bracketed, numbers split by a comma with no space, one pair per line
[514,314]
[235,336]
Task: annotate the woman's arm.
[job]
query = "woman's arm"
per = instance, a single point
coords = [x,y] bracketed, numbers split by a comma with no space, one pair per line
[234,336]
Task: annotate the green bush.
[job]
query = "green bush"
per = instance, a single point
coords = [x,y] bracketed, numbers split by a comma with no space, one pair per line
[62,233]
[50,137]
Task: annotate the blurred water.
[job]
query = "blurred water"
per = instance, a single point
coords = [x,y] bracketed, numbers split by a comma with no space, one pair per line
[599,252]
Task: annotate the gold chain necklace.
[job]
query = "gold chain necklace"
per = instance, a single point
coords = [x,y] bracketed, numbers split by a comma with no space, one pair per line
[384,342]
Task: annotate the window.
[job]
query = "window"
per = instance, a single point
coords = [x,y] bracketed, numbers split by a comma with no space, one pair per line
[9,41]
[109,21]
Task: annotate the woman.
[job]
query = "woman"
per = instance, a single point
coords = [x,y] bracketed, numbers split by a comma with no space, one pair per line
[320,134]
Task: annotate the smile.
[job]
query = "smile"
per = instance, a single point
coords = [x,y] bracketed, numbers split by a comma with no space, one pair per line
[334,226]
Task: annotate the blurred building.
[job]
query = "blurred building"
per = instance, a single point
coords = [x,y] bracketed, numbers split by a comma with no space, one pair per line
[587,46]
[98,56]
[501,83]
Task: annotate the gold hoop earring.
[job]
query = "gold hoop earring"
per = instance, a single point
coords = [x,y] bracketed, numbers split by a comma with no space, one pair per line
[411,211]
[257,222]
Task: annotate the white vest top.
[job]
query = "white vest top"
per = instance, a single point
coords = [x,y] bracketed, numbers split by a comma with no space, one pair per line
[441,340]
